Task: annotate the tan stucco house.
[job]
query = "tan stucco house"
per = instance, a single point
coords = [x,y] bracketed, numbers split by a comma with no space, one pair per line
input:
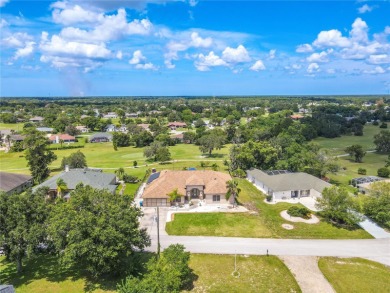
[196,186]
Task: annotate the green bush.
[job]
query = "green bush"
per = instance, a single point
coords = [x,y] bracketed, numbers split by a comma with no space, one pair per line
[362,171]
[269,198]
[383,125]
[301,212]
[384,172]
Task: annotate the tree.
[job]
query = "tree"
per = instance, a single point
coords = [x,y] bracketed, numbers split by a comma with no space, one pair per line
[96,230]
[135,164]
[142,139]
[382,141]
[75,160]
[338,207]
[61,187]
[383,172]
[173,195]
[120,173]
[377,205]
[169,273]
[163,154]
[120,139]
[232,190]
[157,151]
[38,156]
[210,141]
[23,224]
[72,130]
[356,151]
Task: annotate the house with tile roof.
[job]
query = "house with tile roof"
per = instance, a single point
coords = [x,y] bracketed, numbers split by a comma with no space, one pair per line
[196,186]
[72,177]
[57,138]
[14,183]
[282,184]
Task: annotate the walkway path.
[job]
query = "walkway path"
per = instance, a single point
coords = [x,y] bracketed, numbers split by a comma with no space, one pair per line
[308,275]
[372,228]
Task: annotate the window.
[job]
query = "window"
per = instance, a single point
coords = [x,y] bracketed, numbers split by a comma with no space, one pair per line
[216,198]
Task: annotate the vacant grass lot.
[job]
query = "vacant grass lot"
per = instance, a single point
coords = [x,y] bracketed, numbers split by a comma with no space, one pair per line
[44,275]
[337,145]
[257,274]
[218,224]
[14,126]
[268,222]
[371,162]
[102,155]
[355,275]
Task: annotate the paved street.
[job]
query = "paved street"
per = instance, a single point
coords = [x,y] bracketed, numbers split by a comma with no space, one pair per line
[374,249]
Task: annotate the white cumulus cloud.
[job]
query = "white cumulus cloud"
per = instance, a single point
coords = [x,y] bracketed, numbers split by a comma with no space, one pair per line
[25,51]
[74,14]
[319,57]
[3,2]
[204,62]
[235,55]
[365,8]
[139,61]
[304,48]
[376,70]
[258,66]
[313,67]
[331,38]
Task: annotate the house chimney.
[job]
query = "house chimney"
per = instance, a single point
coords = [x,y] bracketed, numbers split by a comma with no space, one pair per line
[66,168]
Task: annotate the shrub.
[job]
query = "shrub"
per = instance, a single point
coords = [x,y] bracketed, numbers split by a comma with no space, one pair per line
[301,212]
[269,198]
[376,123]
[362,171]
[383,125]
[239,173]
[384,172]
[130,178]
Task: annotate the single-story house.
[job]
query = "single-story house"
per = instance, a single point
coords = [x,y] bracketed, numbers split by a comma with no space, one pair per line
[131,115]
[92,177]
[110,115]
[296,117]
[100,137]
[178,137]
[365,188]
[56,138]
[14,183]
[82,128]
[144,126]
[45,129]
[37,119]
[17,137]
[123,128]
[195,186]
[174,125]
[283,184]
[111,128]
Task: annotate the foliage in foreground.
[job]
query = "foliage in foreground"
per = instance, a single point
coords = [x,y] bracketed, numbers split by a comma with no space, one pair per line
[97,231]
[301,212]
[166,274]
[75,160]
[338,207]
[377,205]
[22,224]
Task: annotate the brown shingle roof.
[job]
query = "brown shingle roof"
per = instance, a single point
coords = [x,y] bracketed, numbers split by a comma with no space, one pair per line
[214,182]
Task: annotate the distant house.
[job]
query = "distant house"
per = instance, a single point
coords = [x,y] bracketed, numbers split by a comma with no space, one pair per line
[37,119]
[365,188]
[57,138]
[17,137]
[197,186]
[131,115]
[282,184]
[100,137]
[111,128]
[14,183]
[178,137]
[122,128]
[92,177]
[296,117]
[110,115]
[84,116]
[82,128]
[45,129]
[144,126]
[174,125]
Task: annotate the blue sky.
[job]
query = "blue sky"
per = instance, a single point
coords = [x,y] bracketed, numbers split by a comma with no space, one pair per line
[153,47]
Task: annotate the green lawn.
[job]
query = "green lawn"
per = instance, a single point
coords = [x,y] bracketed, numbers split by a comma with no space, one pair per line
[355,275]
[218,224]
[337,145]
[44,275]
[102,155]
[371,162]
[267,224]
[257,274]
[14,126]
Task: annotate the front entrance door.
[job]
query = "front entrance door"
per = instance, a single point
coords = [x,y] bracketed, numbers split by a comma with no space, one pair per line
[294,193]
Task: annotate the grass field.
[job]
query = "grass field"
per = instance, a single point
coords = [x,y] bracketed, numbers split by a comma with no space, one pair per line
[102,155]
[257,274]
[268,222]
[218,224]
[337,145]
[371,162]
[355,275]
[44,275]
[212,273]
[14,126]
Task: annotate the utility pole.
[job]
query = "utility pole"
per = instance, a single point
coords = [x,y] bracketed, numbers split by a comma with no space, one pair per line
[158,232]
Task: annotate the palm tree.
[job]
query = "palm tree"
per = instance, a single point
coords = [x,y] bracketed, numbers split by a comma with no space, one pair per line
[120,173]
[8,139]
[61,187]
[174,194]
[232,190]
